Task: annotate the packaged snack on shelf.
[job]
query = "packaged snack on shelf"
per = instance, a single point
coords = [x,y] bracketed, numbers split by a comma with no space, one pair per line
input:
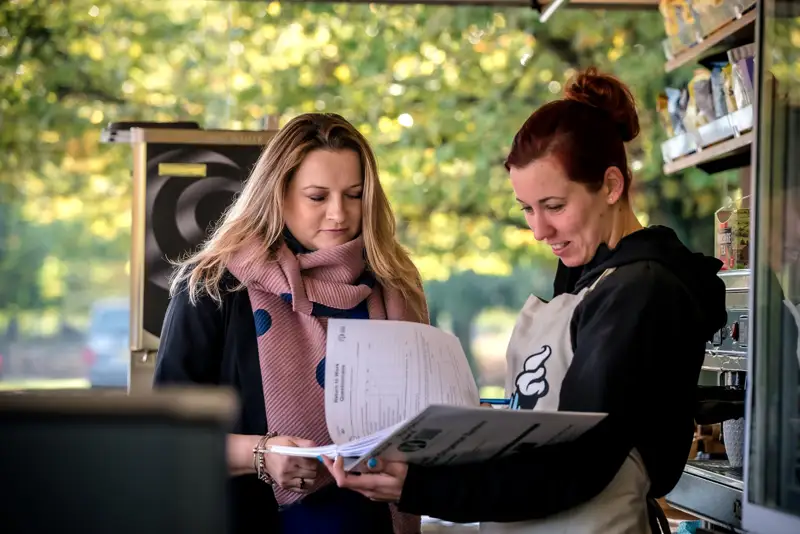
[742,60]
[676,108]
[670,16]
[711,15]
[733,234]
[744,56]
[677,16]
[701,101]
[740,93]
[679,25]
[686,111]
[718,89]
[727,85]
[662,108]
[667,109]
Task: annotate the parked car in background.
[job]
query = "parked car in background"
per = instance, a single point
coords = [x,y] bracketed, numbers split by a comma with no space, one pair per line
[107,350]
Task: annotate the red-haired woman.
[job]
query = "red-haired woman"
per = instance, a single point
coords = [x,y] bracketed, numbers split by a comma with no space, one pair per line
[625,334]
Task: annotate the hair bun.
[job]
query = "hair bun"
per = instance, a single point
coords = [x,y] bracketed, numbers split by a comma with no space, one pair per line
[608,93]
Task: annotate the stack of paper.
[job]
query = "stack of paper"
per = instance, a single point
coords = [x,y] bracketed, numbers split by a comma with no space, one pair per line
[353,449]
[449,435]
[405,392]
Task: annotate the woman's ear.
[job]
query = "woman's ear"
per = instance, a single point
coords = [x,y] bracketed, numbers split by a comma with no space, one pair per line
[613,185]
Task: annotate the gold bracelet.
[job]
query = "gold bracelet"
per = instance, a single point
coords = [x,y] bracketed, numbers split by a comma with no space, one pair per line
[259,464]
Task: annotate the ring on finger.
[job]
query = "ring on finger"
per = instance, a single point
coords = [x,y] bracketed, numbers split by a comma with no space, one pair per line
[302,483]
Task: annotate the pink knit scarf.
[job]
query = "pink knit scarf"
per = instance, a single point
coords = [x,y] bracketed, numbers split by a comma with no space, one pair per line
[292,299]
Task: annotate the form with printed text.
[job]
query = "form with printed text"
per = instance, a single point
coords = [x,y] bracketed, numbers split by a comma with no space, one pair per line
[380,373]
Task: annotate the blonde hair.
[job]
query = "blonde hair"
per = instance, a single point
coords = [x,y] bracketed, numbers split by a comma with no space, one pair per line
[258,211]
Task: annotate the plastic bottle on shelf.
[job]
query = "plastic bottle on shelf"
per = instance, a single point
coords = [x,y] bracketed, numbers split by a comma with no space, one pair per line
[732,236]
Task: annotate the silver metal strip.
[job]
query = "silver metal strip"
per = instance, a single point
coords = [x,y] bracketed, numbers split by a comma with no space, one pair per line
[713,476]
[202,137]
[576,4]
[195,402]
[137,244]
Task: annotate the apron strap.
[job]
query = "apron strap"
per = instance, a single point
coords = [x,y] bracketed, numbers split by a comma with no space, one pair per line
[659,524]
[600,278]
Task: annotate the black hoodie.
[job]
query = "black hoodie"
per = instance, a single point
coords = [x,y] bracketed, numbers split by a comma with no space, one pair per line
[638,340]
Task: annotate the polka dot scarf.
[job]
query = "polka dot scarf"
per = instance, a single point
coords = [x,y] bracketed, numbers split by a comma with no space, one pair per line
[292,299]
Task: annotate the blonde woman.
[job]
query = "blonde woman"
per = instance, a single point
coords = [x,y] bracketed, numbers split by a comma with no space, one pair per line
[311,236]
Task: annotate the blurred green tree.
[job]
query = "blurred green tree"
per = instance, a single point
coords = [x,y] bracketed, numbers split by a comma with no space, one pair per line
[439,91]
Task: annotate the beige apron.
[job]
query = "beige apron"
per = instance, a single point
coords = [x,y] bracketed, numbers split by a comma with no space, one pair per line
[539,355]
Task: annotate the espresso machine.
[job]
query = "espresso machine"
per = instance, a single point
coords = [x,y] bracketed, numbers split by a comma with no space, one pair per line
[184,178]
[712,485]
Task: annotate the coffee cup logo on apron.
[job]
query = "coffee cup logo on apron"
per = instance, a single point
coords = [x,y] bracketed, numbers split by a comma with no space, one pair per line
[531,383]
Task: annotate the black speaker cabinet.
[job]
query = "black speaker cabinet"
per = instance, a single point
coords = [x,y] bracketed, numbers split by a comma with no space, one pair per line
[184,180]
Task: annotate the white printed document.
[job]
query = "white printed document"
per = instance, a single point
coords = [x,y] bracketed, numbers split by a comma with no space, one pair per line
[445,435]
[380,373]
[405,391]
[450,435]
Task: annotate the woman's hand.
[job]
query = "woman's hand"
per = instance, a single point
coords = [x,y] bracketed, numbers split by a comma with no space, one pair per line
[382,482]
[291,472]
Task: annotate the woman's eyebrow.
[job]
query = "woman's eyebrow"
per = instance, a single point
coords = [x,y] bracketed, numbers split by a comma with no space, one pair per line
[547,199]
[541,200]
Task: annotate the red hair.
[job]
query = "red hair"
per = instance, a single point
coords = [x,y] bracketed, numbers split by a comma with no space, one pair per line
[586,130]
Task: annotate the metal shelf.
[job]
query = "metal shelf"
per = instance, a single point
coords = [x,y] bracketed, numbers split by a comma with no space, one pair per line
[730,154]
[719,361]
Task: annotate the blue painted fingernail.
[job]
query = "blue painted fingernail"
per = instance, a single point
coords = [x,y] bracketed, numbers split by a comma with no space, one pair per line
[372,463]
[319,458]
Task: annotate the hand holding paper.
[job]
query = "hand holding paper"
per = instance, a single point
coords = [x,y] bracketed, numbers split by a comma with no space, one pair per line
[382,481]
[404,392]
[290,472]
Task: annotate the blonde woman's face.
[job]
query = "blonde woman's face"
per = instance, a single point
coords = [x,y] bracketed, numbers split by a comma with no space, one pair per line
[322,206]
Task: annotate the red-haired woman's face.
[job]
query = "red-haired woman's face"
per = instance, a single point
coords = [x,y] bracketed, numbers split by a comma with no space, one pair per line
[564,214]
